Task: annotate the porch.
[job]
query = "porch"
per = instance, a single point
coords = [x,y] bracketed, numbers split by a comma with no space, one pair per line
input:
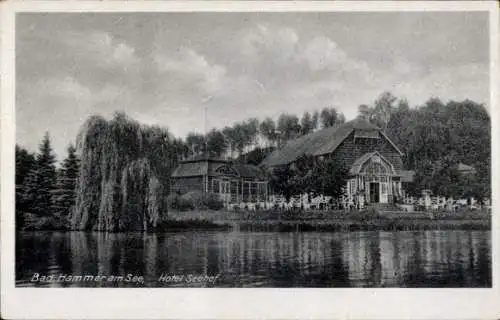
[373,180]
[234,190]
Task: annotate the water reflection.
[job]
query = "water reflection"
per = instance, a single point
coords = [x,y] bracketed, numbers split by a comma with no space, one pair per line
[355,259]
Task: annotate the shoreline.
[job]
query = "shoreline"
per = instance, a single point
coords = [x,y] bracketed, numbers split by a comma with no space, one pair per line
[351,225]
[307,222]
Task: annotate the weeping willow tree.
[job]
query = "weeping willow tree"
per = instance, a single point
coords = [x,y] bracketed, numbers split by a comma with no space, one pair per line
[124,174]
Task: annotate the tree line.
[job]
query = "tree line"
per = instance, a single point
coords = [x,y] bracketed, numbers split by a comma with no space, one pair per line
[44,193]
[117,181]
[312,176]
[124,167]
[435,138]
[244,136]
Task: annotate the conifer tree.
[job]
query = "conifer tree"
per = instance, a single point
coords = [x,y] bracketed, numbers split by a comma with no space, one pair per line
[25,164]
[43,180]
[64,194]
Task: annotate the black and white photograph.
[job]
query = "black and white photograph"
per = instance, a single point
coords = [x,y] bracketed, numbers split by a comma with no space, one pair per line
[253,149]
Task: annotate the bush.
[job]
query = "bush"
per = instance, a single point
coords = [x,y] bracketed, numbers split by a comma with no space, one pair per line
[45,223]
[213,202]
[365,215]
[173,201]
[181,203]
[194,200]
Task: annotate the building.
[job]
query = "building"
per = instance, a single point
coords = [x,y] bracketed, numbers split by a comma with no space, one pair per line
[375,162]
[232,182]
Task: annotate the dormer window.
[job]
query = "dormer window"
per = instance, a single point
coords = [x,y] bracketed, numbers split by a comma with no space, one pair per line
[366,134]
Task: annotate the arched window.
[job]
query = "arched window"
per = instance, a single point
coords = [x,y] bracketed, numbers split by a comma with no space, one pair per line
[375,167]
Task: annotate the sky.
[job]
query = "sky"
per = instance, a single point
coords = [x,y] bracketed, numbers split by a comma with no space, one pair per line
[167,68]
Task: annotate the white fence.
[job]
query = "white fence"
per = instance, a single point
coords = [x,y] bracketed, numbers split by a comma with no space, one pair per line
[306,202]
[443,203]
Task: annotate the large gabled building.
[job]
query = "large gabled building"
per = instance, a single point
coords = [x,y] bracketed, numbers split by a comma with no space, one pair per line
[374,161]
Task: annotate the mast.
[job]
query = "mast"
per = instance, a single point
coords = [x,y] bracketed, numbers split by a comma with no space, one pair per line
[206,144]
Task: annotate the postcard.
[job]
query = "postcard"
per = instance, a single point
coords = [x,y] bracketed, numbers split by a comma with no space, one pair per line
[249,160]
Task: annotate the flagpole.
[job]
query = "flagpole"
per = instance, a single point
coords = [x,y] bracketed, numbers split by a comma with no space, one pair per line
[205,124]
[206,145]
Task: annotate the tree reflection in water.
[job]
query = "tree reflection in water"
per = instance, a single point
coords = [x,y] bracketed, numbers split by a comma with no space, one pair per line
[244,259]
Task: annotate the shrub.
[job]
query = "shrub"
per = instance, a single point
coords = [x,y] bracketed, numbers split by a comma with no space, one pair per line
[194,197]
[213,202]
[173,201]
[191,200]
[46,223]
[194,200]
[365,215]
[185,205]
[181,202]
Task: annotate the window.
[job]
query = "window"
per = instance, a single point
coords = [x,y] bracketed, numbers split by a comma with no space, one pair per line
[234,186]
[352,186]
[215,185]
[376,167]
[384,187]
[225,187]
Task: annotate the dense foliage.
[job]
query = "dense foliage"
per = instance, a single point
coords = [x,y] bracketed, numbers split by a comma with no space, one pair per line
[64,195]
[124,174]
[310,175]
[44,194]
[435,138]
[44,179]
[25,166]
[243,137]
[194,200]
[256,156]
[117,177]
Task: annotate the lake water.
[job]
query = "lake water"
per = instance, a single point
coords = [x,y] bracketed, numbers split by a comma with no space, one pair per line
[247,259]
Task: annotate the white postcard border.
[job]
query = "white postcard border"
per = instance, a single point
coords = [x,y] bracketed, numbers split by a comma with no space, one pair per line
[186,303]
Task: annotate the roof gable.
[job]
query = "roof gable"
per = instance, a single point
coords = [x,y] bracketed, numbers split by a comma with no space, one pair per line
[358,164]
[227,170]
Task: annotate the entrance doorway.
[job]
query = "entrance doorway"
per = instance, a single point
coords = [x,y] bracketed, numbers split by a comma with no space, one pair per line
[225,191]
[374,192]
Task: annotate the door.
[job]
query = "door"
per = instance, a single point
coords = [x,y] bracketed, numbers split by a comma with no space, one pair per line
[225,191]
[374,192]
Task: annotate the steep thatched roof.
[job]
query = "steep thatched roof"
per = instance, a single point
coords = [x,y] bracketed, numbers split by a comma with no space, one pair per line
[323,142]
